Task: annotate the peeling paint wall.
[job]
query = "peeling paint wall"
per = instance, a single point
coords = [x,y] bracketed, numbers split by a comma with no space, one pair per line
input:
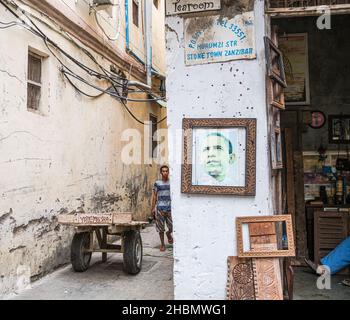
[204,226]
[63,158]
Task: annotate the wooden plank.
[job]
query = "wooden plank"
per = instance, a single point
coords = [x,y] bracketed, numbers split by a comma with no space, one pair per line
[240,279]
[262,228]
[328,238]
[122,217]
[105,250]
[289,277]
[290,186]
[300,217]
[99,238]
[86,219]
[132,224]
[267,273]
[104,244]
[268,280]
[310,10]
[91,219]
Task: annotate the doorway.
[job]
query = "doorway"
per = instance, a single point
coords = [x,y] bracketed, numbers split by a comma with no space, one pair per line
[315,127]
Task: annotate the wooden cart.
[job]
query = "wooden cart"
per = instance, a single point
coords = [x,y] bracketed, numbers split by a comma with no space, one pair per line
[102,225]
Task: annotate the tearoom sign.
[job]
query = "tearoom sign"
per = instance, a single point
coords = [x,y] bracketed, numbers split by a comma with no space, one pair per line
[187,6]
[217,39]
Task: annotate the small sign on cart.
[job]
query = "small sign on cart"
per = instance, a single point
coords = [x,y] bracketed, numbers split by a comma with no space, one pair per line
[94,219]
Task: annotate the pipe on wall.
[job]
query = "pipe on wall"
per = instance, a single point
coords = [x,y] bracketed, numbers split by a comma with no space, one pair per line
[147,13]
[148,39]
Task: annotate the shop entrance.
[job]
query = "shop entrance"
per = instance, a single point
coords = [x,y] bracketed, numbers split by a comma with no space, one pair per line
[315,131]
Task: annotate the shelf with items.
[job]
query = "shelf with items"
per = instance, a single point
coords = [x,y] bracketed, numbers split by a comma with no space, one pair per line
[322,172]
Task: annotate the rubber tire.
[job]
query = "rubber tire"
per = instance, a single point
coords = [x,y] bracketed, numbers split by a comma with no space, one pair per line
[131,263]
[80,260]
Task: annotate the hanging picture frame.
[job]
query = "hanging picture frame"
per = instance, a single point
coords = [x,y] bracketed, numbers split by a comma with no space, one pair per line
[219,156]
[276,148]
[276,142]
[274,58]
[276,94]
[296,61]
[339,129]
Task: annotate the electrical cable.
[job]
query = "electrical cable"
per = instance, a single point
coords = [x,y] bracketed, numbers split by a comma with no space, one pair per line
[115,38]
[90,71]
[85,68]
[79,90]
[108,92]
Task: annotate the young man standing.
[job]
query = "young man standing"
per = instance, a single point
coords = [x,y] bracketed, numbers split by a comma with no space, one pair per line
[161,207]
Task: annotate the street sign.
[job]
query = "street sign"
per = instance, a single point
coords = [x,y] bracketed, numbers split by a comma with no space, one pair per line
[217,39]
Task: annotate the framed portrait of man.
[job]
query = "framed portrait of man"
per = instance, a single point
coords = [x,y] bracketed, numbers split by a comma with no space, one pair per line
[219,156]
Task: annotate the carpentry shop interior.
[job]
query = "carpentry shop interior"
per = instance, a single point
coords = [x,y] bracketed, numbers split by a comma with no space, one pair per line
[313,125]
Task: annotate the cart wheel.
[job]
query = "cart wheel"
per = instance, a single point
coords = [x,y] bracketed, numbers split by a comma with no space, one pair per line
[132,252]
[79,258]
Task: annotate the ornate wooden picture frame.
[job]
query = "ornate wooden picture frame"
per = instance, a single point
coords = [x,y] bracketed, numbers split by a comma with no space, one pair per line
[275,66]
[276,94]
[238,139]
[268,252]
[240,279]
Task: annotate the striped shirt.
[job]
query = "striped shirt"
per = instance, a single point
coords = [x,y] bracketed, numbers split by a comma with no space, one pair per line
[163,195]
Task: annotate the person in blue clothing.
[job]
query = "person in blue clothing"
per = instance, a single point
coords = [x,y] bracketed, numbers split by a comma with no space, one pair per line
[161,207]
[335,261]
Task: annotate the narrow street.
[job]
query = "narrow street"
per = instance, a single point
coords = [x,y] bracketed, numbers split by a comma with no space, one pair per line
[107,281]
[226,121]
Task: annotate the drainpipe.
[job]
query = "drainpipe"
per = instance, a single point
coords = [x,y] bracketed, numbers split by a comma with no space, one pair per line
[147,12]
[127,24]
[127,39]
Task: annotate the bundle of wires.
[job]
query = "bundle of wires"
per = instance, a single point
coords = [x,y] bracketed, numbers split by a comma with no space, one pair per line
[115,81]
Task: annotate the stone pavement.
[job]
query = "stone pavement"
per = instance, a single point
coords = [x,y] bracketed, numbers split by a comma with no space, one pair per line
[305,287]
[107,281]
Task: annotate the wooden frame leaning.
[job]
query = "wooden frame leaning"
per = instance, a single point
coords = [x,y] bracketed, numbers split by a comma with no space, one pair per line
[290,252]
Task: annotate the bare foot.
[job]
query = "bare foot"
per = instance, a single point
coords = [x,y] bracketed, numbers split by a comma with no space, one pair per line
[162,248]
[346,282]
[170,238]
[311,264]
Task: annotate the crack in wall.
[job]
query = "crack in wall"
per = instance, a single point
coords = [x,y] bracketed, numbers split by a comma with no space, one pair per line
[23,131]
[168,28]
[11,75]
[24,227]
[105,202]
[16,248]
[5,216]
